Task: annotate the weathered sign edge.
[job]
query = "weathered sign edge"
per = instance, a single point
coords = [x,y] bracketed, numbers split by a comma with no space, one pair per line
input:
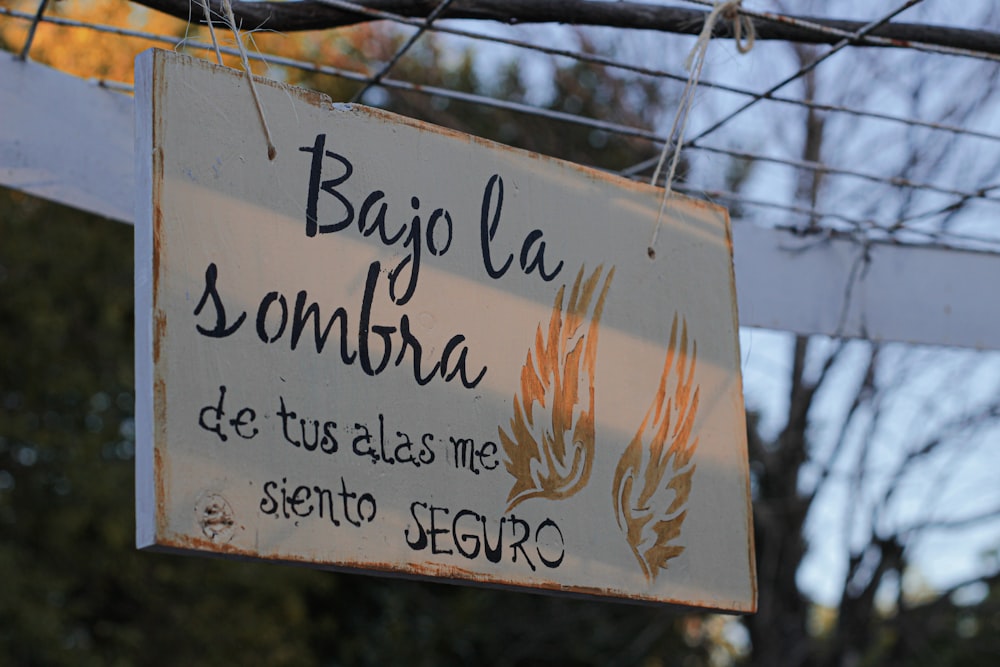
[151,515]
[744,461]
[145,436]
[206,548]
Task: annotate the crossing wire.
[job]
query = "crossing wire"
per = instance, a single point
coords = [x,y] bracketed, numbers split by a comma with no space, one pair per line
[837,222]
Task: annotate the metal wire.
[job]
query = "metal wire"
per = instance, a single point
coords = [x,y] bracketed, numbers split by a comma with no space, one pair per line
[304,66]
[425,25]
[31,30]
[586,58]
[867,38]
[853,227]
[595,59]
[836,48]
[893,181]
[857,227]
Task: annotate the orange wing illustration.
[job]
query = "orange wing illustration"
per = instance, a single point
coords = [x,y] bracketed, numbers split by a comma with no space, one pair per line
[550,444]
[653,478]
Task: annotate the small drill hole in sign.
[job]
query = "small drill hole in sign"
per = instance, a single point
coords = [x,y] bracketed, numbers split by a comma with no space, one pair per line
[651,252]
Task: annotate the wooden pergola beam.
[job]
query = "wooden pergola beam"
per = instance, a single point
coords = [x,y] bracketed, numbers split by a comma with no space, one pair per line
[319,15]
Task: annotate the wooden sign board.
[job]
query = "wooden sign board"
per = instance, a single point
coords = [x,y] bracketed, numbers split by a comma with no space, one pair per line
[397,348]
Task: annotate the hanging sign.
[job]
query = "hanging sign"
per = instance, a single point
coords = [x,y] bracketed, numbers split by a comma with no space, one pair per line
[401,349]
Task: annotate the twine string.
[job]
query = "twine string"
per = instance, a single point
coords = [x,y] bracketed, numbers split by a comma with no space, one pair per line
[694,63]
[272,152]
[211,29]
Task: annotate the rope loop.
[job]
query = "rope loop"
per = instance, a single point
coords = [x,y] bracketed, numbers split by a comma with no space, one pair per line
[741,23]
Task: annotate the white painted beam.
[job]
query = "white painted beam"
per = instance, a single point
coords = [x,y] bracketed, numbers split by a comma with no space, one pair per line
[899,293]
[65,139]
[71,141]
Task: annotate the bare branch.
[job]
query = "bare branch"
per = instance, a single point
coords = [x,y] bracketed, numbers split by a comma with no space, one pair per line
[945,434]
[862,396]
[991,514]
[317,15]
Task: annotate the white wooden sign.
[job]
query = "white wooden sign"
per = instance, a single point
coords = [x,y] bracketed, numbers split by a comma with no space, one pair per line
[402,349]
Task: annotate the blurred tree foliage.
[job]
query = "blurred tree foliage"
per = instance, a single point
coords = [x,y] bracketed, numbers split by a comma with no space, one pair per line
[940,631]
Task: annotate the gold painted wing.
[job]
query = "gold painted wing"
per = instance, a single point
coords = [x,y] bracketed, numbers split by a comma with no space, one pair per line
[549,445]
[653,478]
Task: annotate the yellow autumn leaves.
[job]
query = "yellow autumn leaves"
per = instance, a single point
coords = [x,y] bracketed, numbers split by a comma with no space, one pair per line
[121,30]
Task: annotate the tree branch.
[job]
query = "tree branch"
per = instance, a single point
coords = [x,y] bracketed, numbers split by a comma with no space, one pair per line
[862,396]
[317,15]
[991,514]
